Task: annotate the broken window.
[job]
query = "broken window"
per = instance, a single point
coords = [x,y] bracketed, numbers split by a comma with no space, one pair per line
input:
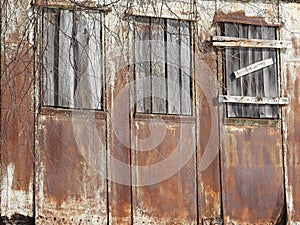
[163,66]
[72,74]
[251,73]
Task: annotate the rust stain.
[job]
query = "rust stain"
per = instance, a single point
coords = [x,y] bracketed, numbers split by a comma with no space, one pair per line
[293,140]
[94,5]
[259,164]
[17,112]
[178,191]
[240,17]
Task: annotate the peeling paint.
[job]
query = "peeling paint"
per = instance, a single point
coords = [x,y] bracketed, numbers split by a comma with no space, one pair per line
[13,200]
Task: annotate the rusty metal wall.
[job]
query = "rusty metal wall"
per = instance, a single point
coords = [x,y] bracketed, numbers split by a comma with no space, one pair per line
[53,169]
[17,112]
[290,71]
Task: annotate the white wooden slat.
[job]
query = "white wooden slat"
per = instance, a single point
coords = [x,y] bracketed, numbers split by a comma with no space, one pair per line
[225,41]
[66,71]
[253,67]
[253,100]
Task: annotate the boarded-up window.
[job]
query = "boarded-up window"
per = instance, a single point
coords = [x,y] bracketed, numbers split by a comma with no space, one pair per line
[261,82]
[163,66]
[71,56]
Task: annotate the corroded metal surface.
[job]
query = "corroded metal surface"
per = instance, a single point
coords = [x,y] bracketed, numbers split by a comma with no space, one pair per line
[52,167]
[252,175]
[68,187]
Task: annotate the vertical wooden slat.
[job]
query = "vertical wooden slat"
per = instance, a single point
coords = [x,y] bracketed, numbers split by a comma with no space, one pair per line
[142,65]
[251,110]
[66,63]
[270,73]
[158,66]
[258,75]
[173,67]
[87,56]
[232,63]
[49,51]
[244,82]
[96,61]
[185,66]
[81,54]
[249,80]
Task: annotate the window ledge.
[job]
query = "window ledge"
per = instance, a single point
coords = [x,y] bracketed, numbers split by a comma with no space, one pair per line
[89,113]
[165,118]
[252,122]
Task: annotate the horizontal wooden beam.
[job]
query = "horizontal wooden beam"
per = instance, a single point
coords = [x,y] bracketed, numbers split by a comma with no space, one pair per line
[253,100]
[253,67]
[224,41]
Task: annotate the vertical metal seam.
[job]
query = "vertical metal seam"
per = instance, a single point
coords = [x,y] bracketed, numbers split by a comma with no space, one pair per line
[281,81]
[35,101]
[221,112]
[1,70]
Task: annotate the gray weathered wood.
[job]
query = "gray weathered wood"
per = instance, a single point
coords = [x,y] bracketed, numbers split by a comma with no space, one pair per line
[66,75]
[185,68]
[142,65]
[270,75]
[87,55]
[49,51]
[226,41]
[232,57]
[173,64]
[158,58]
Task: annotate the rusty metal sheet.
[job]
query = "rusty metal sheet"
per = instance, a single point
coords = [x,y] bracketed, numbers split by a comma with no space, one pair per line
[290,73]
[209,190]
[240,17]
[70,185]
[293,141]
[17,118]
[164,176]
[252,174]
[118,161]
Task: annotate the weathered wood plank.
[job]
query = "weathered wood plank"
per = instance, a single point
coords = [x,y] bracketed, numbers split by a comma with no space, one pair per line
[253,67]
[253,100]
[233,86]
[270,74]
[88,63]
[225,41]
[142,65]
[158,58]
[243,60]
[66,75]
[173,67]
[185,68]
[49,46]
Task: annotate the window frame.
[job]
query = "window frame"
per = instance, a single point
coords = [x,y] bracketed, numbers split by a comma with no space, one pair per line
[166,114]
[223,42]
[42,10]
